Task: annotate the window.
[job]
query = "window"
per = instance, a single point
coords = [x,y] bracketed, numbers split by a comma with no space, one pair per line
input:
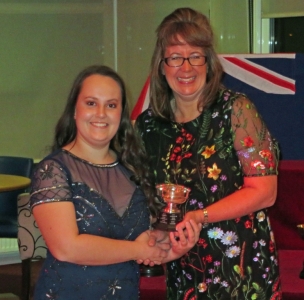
[288,35]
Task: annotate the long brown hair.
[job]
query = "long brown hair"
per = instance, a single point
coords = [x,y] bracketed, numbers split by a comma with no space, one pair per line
[194,28]
[125,142]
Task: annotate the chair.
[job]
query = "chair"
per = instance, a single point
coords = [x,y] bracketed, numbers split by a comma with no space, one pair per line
[30,242]
[21,166]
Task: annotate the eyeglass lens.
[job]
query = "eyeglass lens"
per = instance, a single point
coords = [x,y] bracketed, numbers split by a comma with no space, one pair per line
[179,61]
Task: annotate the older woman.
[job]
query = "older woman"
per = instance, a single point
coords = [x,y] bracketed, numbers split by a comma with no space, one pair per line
[213,141]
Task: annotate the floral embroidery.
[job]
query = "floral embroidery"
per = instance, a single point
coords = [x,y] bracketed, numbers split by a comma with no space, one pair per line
[233,251]
[208,151]
[258,165]
[229,238]
[181,149]
[46,172]
[248,224]
[247,142]
[260,216]
[113,287]
[214,172]
[211,155]
[266,154]
[202,287]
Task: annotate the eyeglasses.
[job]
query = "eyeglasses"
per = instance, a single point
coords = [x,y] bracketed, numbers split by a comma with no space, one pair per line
[197,60]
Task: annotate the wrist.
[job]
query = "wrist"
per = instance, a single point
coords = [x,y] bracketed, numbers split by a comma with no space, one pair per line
[205,220]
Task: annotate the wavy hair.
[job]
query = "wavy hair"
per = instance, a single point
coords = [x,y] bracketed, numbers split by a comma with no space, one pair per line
[126,141]
[194,28]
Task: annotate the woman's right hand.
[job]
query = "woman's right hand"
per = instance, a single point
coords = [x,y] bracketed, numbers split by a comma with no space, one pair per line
[155,253]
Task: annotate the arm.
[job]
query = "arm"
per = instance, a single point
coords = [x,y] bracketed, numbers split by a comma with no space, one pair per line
[257,193]
[256,151]
[57,222]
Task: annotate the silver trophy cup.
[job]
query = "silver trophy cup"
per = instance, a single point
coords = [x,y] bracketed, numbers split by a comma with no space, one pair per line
[173,195]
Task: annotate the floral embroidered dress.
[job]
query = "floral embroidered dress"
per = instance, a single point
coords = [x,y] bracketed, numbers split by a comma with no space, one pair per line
[233,259]
[107,203]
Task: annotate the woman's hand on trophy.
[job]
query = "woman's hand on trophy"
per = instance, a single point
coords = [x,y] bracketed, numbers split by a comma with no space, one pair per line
[183,239]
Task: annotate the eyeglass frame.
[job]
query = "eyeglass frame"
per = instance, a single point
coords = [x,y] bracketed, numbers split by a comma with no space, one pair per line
[185,58]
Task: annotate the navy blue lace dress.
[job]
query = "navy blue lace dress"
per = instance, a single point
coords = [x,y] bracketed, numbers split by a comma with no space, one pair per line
[108,204]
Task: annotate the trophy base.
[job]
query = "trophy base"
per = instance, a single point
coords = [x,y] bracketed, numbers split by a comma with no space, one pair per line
[301,275]
[164,227]
[147,271]
[167,221]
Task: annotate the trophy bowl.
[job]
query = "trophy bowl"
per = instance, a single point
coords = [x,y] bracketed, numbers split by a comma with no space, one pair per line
[301,230]
[173,195]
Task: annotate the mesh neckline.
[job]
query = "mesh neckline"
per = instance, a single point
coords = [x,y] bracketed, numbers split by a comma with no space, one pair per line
[115,163]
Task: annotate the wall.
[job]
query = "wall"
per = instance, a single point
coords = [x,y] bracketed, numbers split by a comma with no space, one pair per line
[44,45]
[136,32]
[282,8]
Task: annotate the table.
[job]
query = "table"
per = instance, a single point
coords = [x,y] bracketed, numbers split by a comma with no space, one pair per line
[13,182]
[9,296]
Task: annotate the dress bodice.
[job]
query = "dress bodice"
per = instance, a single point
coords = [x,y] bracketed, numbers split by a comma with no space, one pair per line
[108,204]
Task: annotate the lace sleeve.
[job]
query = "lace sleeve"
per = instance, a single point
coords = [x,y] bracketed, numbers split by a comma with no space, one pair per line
[49,184]
[256,149]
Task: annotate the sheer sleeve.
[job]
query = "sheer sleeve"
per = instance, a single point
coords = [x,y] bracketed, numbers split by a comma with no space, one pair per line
[256,149]
[50,184]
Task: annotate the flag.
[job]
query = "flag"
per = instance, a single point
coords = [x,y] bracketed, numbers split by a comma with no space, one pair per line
[275,83]
[142,102]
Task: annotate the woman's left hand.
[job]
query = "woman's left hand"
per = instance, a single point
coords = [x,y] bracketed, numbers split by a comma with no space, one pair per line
[183,239]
